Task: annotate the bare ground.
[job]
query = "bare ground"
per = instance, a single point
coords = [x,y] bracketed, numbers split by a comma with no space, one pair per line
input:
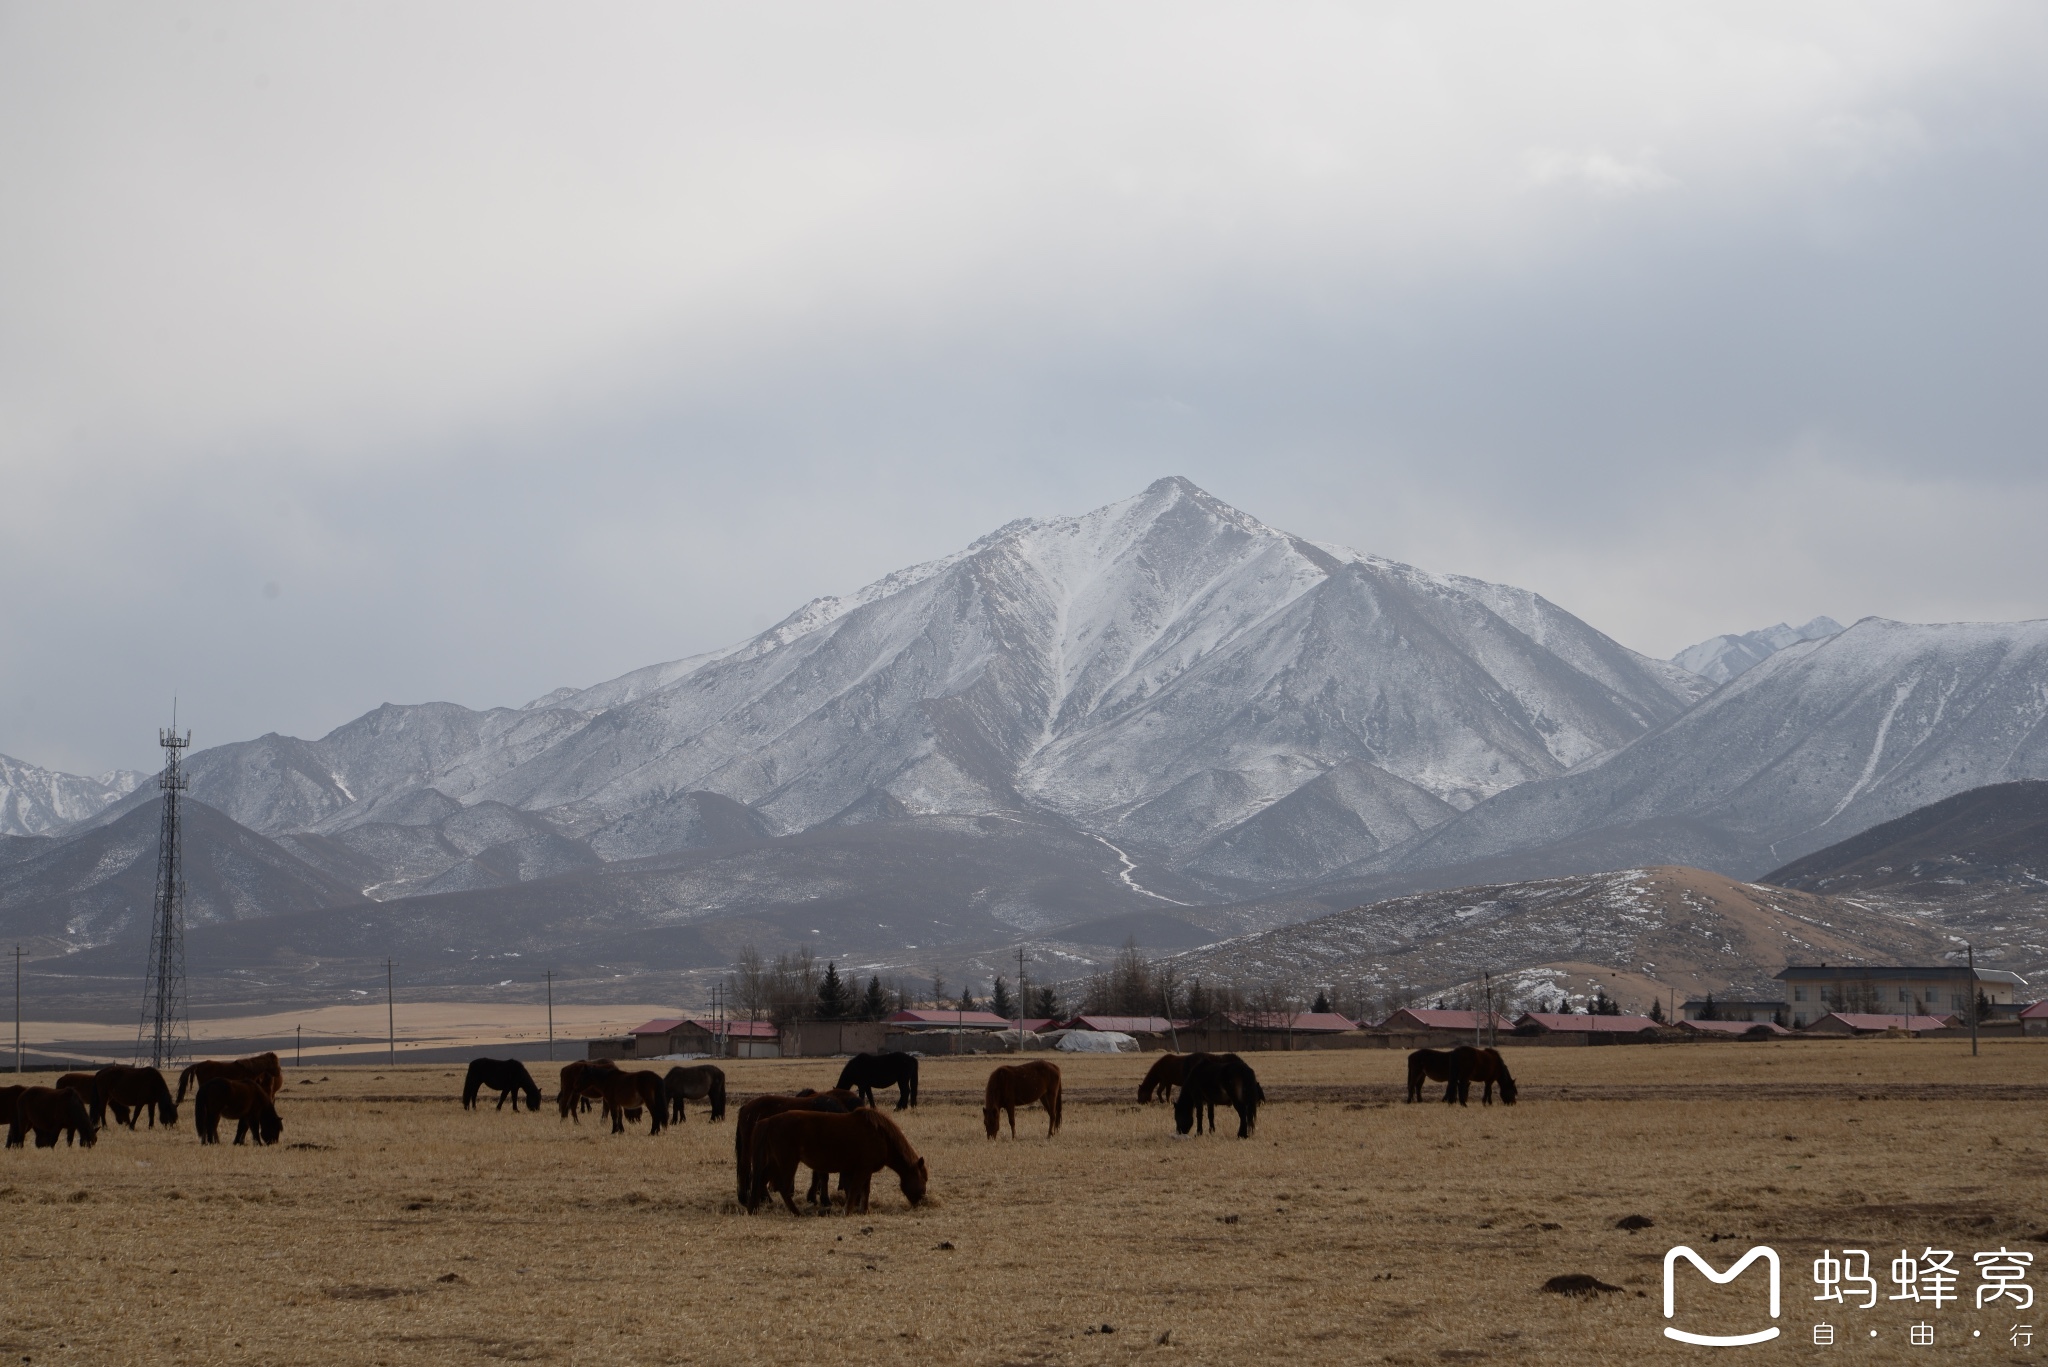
[392,1227]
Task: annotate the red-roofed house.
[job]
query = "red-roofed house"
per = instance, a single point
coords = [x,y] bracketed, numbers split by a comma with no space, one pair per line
[948,1020]
[2034,1020]
[1605,1028]
[1414,1018]
[1867,1023]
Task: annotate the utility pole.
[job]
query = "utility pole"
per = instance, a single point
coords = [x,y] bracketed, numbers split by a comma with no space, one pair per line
[298,1046]
[1972,999]
[390,1017]
[17,1008]
[551,1015]
[1022,993]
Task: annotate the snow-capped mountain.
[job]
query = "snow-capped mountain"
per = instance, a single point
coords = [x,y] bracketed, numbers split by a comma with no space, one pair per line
[1820,741]
[1723,657]
[1166,672]
[37,801]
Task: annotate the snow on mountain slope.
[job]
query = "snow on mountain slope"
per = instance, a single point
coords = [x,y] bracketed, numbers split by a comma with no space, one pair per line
[36,801]
[1160,669]
[1821,740]
[1723,657]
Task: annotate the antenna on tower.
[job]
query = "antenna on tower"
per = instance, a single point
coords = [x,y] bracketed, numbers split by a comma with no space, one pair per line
[165,1034]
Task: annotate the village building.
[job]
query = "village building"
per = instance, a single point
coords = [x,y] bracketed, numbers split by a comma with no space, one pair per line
[1586,1029]
[1815,990]
[2034,1020]
[1876,1023]
[1734,1029]
[910,1021]
[690,1035]
[1415,1019]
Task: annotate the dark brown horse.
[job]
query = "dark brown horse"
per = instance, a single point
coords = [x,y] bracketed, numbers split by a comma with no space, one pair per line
[856,1145]
[705,1082]
[505,1076]
[49,1112]
[1486,1066]
[839,1101]
[1428,1065]
[1208,1079]
[87,1086]
[579,1086]
[245,1102]
[865,1072]
[1162,1078]
[1019,1084]
[130,1093]
[626,1094]
[262,1069]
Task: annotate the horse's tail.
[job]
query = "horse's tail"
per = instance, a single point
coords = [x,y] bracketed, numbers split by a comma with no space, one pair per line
[717,1093]
[472,1084]
[1058,1105]
[184,1078]
[655,1093]
[911,1064]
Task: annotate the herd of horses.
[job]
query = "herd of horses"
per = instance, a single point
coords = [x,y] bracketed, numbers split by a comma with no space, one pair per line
[76,1109]
[839,1132]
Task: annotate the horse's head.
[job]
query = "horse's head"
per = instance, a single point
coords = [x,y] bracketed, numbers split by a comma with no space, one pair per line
[532,1097]
[917,1179]
[988,1120]
[1184,1111]
[166,1109]
[1507,1088]
[270,1127]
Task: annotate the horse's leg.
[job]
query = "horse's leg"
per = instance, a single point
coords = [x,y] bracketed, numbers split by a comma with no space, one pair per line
[1486,1093]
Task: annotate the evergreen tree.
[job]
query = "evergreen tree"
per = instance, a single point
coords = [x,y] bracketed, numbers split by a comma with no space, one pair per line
[967,1000]
[835,999]
[938,991]
[1322,1004]
[1657,1011]
[1048,1003]
[1000,1001]
[1603,1005]
[874,1004]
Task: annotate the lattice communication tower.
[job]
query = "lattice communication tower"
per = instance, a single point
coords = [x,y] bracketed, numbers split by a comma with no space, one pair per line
[165,1035]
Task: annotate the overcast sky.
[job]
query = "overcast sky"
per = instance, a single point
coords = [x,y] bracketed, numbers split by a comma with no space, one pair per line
[364,353]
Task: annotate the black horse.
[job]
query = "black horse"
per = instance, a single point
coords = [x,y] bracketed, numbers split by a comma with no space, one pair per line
[865,1072]
[1207,1079]
[505,1076]
[705,1082]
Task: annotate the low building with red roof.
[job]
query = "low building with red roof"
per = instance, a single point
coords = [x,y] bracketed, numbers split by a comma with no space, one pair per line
[1442,1022]
[1737,1029]
[1591,1027]
[1871,1023]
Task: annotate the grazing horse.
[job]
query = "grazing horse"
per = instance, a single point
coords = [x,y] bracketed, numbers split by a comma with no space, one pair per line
[87,1085]
[130,1093]
[1210,1078]
[1470,1065]
[1162,1078]
[579,1086]
[262,1069]
[865,1072]
[705,1082]
[625,1094]
[49,1112]
[837,1102]
[505,1076]
[1020,1084]
[1428,1065]
[244,1102]
[856,1145]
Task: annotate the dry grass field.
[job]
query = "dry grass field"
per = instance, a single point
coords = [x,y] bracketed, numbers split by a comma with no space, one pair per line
[392,1227]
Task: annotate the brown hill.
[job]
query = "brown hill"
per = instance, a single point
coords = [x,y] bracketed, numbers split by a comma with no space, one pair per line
[1639,934]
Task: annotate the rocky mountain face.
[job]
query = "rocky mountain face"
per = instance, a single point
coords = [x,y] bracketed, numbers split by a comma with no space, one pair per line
[1721,658]
[98,887]
[1820,741]
[36,801]
[1639,935]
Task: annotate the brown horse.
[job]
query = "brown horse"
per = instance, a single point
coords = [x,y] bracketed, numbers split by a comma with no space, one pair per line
[579,1086]
[1428,1065]
[262,1069]
[1020,1084]
[88,1087]
[839,1101]
[1470,1065]
[1162,1078]
[626,1094]
[246,1103]
[856,1145]
[130,1093]
[49,1112]
[705,1082]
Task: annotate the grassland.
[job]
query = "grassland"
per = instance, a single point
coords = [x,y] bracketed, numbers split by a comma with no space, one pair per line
[394,1228]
